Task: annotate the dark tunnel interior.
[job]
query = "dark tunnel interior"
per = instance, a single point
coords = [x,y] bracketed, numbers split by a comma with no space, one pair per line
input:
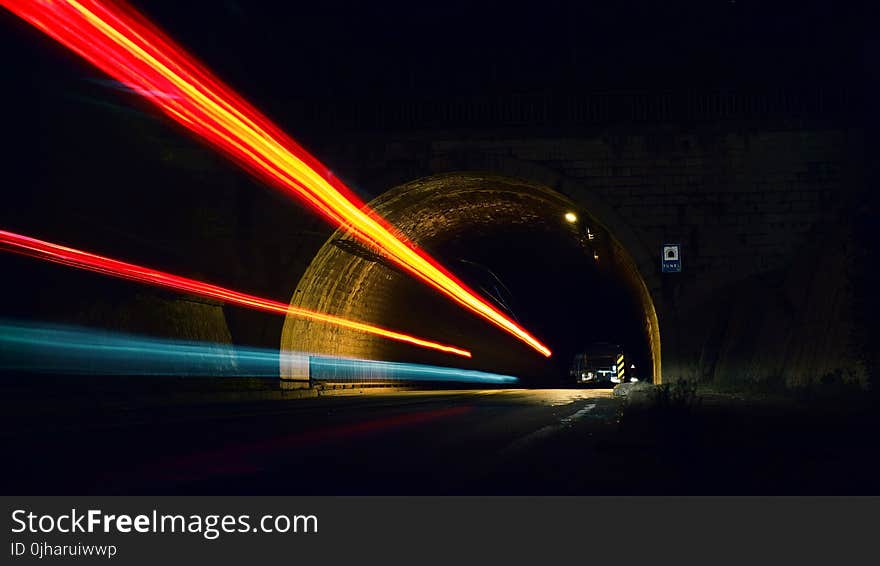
[509,241]
[553,285]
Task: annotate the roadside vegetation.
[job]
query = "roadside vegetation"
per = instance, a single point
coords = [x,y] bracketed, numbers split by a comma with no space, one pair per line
[762,437]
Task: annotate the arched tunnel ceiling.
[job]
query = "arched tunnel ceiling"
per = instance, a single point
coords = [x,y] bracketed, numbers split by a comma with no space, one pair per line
[507,239]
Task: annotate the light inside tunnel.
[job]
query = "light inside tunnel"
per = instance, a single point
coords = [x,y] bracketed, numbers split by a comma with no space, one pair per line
[121,42]
[64,349]
[40,249]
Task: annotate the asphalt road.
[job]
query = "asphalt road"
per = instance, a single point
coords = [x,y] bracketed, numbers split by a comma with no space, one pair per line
[442,442]
[68,437]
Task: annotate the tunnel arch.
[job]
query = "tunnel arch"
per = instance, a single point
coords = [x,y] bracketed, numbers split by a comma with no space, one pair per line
[348,279]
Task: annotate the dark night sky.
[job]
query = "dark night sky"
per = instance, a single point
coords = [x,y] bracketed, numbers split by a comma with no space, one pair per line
[277,50]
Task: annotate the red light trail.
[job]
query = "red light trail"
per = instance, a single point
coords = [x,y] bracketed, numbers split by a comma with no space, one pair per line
[40,249]
[125,45]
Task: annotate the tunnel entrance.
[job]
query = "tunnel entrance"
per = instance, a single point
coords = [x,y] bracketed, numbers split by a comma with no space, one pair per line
[532,251]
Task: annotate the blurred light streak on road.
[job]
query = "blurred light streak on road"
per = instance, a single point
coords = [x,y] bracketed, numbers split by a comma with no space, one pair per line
[68,349]
[48,251]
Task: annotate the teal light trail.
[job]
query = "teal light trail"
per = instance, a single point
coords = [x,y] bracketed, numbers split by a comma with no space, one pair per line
[75,350]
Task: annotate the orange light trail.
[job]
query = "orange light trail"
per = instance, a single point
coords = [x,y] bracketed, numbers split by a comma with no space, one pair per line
[40,249]
[125,45]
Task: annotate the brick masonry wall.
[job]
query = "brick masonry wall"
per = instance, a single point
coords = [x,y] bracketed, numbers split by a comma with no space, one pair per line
[739,204]
[746,205]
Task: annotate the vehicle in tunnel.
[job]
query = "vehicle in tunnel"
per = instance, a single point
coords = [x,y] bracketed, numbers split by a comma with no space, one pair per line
[602,364]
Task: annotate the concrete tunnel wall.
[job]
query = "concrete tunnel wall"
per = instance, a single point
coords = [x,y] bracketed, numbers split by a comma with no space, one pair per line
[349,280]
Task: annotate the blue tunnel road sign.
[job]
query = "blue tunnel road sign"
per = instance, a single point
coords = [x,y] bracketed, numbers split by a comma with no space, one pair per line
[671,258]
